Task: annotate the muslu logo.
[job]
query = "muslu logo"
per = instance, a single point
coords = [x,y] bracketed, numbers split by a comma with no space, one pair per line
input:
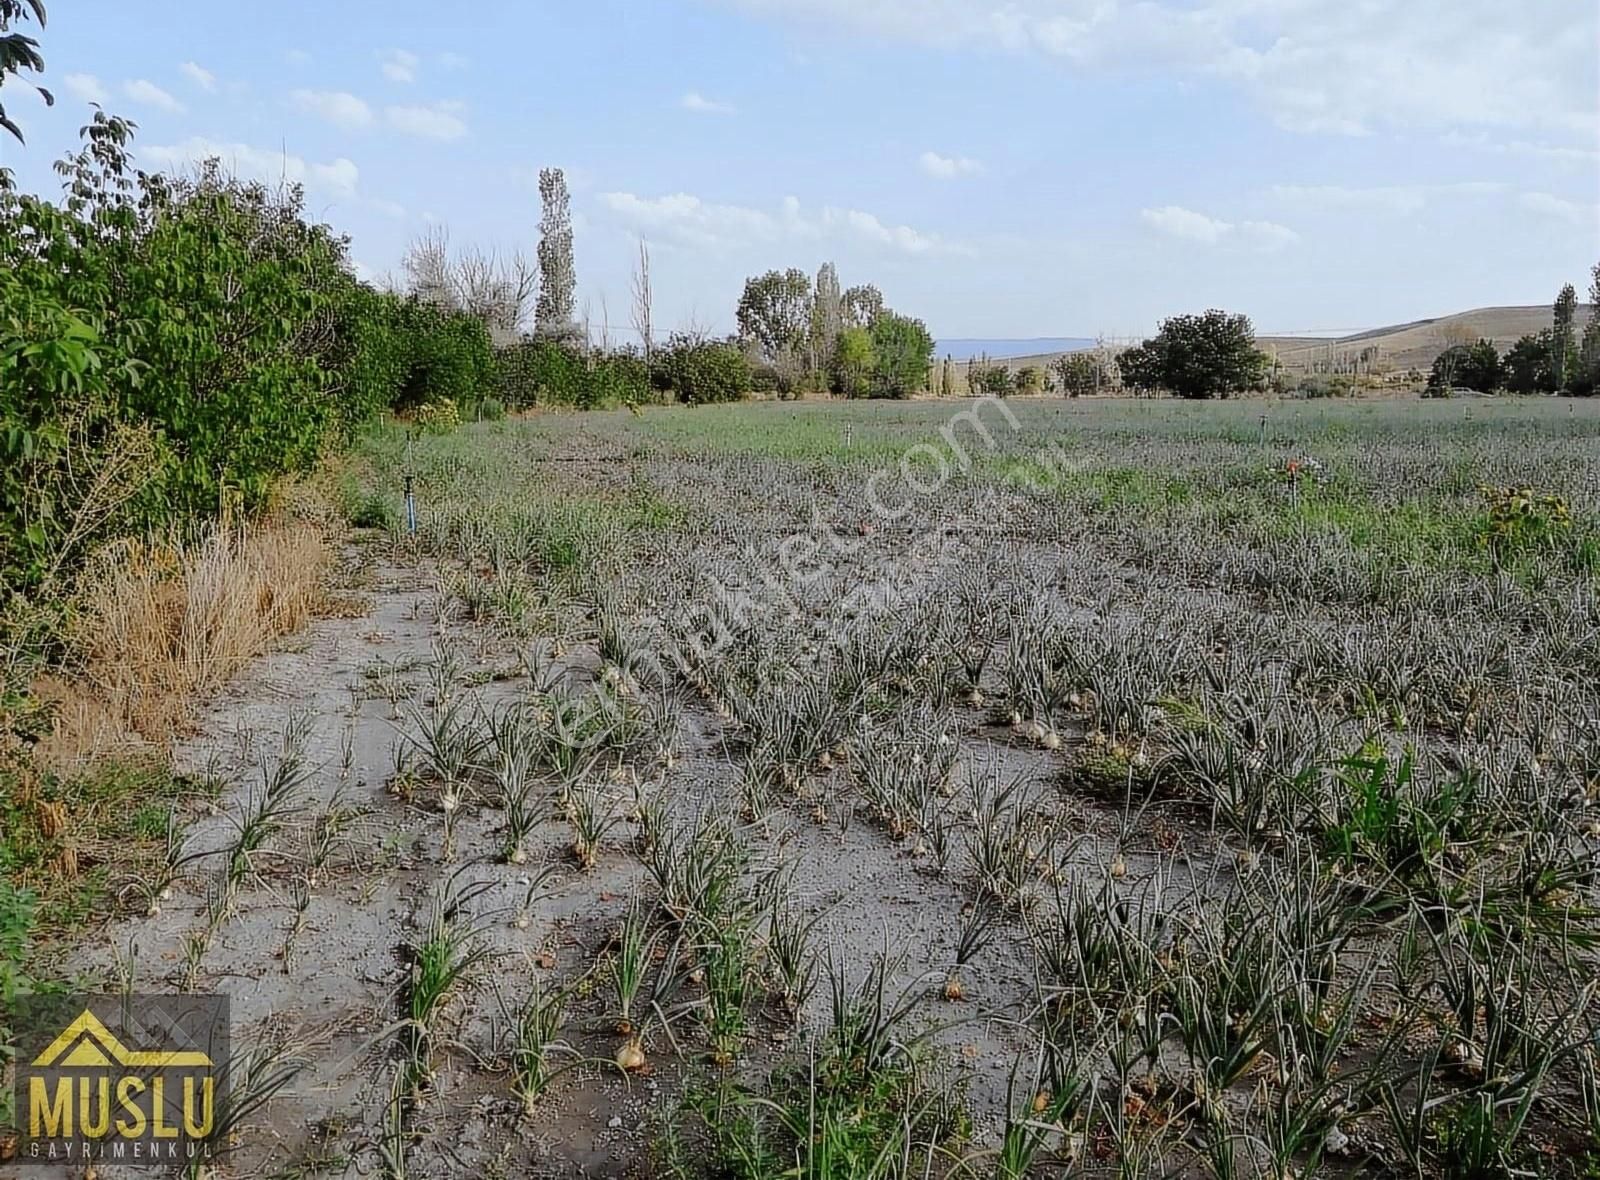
[132,1079]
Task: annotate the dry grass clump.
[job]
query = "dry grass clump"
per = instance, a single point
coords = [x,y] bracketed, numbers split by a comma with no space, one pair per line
[158,624]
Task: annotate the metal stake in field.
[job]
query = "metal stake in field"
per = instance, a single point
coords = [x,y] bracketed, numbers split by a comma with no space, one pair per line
[411,499]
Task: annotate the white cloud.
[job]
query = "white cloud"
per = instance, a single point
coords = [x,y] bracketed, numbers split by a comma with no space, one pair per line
[399,65]
[199,75]
[86,87]
[690,221]
[439,121]
[948,167]
[148,93]
[335,106]
[1177,222]
[701,105]
[336,178]
[1313,65]
[1580,213]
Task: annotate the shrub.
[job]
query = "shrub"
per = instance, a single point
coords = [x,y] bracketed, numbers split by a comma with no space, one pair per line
[1469,366]
[545,372]
[903,351]
[437,417]
[1079,373]
[1198,356]
[449,357]
[853,361]
[990,380]
[701,371]
[1030,379]
[1517,519]
[1527,367]
[1319,385]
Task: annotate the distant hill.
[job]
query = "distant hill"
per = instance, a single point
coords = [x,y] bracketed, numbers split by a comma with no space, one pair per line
[1415,345]
[1399,347]
[1000,350]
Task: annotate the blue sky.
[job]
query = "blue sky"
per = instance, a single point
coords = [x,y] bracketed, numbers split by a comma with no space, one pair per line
[1017,168]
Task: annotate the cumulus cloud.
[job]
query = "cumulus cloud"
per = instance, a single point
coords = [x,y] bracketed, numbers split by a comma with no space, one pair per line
[1579,213]
[335,106]
[440,121]
[1177,222]
[948,167]
[85,86]
[690,221]
[199,75]
[147,93]
[399,65]
[701,105]
[1313,65]
[337,178]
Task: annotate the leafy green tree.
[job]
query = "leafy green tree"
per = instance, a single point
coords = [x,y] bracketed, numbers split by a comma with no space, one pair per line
[1208,355]
[1527,367]
[853,361]
[558,277]
[1467,366]
[1564,337]
[1589,349]
[827,316]
[863,305]
[1141,366]
[19,52]
[1079,373]
[903,352]
[775,315]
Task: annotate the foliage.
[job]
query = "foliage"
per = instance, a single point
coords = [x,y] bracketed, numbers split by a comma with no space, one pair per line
[1198,356]
[1469,366]
[1527,365]
[985,378]
[437,417]
[558,281]
[449,357]
[775,313]
[19,52]
[1587,379]
[1564,337]
[903,351]
[1078,373]
[1141,366]
[853,361]
[548,373]
[1518,519]
[862,304]
[702,371]
[1030,379]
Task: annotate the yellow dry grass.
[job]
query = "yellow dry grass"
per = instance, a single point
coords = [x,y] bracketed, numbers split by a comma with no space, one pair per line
[158,625]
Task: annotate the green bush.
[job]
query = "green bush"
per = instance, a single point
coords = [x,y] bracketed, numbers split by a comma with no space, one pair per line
[543,372]
[448,358]
[701,371]
[1467,366]
[903,352]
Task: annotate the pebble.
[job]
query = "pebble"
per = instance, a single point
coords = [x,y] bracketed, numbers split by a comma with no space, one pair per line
[616,1121]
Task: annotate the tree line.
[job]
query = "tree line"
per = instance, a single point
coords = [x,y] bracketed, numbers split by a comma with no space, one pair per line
[1558,360]
[821,337]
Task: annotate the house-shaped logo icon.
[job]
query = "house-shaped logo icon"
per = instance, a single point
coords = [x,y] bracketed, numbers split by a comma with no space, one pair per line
[86,1043]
